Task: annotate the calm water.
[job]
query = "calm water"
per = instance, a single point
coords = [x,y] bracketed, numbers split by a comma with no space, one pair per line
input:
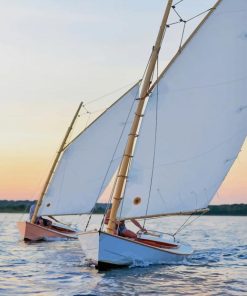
[217,267]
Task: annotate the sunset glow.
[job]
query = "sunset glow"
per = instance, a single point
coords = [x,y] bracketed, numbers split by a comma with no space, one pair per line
[52,57]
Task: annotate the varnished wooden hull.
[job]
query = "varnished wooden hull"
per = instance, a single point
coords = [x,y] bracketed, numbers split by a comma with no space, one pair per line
[34,232]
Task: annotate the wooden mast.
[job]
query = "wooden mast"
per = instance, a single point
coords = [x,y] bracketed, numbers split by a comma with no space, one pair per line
[129,149]
[54,164]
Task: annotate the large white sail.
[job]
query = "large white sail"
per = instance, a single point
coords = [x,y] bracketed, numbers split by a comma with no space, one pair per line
[201,120]
[80,173]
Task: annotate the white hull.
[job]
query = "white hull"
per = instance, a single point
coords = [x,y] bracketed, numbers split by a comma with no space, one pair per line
[106,250]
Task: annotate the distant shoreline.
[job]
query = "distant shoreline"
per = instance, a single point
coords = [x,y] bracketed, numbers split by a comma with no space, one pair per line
[22,206]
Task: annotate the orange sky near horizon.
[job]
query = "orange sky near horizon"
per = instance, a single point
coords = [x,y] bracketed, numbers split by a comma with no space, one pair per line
[24,168]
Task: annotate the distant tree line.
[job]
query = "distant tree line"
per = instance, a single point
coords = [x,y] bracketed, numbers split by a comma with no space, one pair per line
[15,206]
[228,210]
[22,206]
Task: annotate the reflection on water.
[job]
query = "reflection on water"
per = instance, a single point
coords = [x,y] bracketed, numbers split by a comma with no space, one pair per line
[217,267]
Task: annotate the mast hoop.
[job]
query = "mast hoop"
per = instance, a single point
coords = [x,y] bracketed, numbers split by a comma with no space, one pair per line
[117,198]
[140,115]
[134,135]
[123,176]
[130,156]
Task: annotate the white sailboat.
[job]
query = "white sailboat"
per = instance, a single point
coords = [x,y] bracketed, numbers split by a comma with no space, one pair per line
[188,129]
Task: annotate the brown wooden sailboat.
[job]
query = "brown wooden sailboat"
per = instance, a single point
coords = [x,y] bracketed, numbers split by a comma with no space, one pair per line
[35,231]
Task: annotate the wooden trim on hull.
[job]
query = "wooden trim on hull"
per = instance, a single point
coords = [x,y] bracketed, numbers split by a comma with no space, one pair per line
[168,250]
[157,244]
[33,232]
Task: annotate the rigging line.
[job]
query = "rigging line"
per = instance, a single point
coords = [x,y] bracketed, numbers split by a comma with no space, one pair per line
[181,227]
[180,17]
[108,204]
[129,164]
[122,203]
[111,195]
[167,26]
[182,37]
[88,113]
[114,153]
[84,107]
[178,2]
[155,144]
[184,225]
[108,94]
[96,111]
[71,135]
[174,23]
[190,19]
[147,67]
[199,14]
[103,219]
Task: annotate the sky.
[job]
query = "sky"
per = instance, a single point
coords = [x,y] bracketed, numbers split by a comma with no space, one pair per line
[55,54]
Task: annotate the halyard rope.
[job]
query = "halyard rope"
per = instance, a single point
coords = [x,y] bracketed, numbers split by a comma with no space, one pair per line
[155,143]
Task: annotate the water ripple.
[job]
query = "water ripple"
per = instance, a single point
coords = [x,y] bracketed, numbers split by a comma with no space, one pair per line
[54,268]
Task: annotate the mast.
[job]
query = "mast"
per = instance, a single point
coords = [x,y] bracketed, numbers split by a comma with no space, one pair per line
[129,149]
[61,148]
